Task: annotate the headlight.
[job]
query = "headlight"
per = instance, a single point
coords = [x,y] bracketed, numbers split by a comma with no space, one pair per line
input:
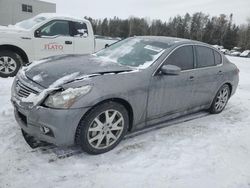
[65,99]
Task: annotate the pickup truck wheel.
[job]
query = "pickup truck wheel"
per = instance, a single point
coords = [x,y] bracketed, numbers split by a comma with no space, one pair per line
[10,63]
[103,128]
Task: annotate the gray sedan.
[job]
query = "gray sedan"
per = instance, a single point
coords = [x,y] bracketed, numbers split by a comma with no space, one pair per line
[94,100]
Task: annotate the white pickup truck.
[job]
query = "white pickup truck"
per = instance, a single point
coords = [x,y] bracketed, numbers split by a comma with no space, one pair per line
[43,36]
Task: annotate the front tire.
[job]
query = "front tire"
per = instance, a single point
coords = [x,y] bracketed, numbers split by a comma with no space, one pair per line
[220,100]
[10,63]
[103,128]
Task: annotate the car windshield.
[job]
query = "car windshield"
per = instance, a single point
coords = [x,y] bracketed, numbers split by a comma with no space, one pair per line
[30,23]
[134,52]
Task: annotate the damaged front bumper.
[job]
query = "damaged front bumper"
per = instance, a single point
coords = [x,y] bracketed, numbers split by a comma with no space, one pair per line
[55,126]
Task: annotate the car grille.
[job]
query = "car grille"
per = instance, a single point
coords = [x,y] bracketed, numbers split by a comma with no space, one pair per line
[23,90]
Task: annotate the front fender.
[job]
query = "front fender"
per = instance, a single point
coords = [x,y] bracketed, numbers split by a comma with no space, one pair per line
[22,44]
[129,87]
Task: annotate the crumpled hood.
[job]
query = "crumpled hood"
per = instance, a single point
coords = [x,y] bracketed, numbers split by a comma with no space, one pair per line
[48,71]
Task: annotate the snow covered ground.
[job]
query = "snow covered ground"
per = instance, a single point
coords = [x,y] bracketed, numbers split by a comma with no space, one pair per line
[210,152]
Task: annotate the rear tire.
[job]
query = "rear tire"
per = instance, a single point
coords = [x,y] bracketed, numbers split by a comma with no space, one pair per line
[10,63]
[220,100]
[102,128]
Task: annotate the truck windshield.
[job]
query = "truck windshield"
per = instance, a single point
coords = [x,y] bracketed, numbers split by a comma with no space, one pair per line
[134,52]
[30,23]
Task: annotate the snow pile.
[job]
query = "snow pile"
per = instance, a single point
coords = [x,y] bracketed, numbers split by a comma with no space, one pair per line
[60,16]
[210,152]
[11,29]
[38,78]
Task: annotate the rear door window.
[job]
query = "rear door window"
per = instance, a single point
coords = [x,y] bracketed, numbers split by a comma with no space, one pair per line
[80,29]
[183,57]
[205,57]
[217,58]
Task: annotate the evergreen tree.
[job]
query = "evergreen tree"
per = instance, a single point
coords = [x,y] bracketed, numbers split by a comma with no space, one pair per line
[105,27]
[213,30]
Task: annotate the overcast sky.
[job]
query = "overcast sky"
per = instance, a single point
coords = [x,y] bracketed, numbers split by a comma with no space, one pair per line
[160,9]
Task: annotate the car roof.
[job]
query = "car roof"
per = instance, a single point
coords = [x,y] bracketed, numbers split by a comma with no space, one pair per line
[61,16]
[173,41]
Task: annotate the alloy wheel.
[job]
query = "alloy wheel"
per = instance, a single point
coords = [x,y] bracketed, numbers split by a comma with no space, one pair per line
[105,129]
[7,65]
[222,99]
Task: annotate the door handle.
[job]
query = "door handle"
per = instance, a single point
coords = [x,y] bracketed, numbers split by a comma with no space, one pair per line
[220,72]
[191,78]
[68,42]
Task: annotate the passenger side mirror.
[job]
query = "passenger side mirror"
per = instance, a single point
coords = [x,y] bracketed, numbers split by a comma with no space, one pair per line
[37,33]
[170,70]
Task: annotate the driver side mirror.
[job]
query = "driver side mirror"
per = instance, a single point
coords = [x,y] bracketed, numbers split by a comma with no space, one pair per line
[37,33]
[170,70]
